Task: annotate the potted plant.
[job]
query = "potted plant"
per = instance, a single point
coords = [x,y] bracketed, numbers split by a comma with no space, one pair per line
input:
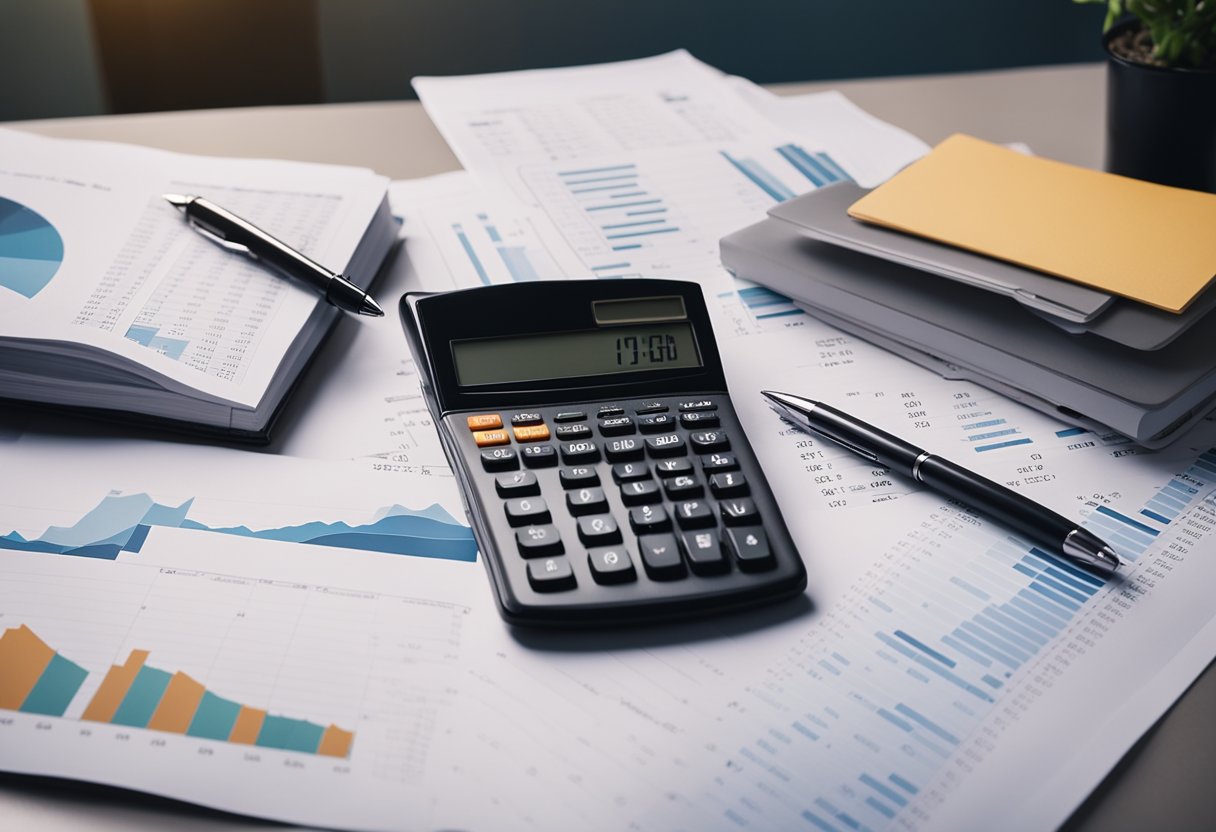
[1161,90]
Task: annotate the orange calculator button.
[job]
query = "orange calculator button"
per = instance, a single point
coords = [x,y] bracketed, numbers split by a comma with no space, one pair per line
[531,433]
[484,438]
[484,421]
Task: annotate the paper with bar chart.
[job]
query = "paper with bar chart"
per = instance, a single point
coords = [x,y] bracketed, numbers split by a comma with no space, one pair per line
[282,638]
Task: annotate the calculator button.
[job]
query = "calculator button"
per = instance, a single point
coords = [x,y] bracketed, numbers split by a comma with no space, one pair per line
[700,419]
[569,432]
[704,441]
[658,423]
[729,484]
[616,426]
[578,476]
[697,404]
[531,433]
[600,530]
[626,471]
[484,421]
[551,575]
[683,487]
[610,410]
[539,456]
[617,450]
[582,451]
[486,438]
[518,484]
[703,549]
[499,459]
[586,501]
[570,416]
[739,512]
[649,519]
[694,514]
[661,557]
[611,565]
[525,511]
[719,462]
[640,491]
[672,467]
[650,407]
[539,541]
[669,445]
[529,417]
[750,548]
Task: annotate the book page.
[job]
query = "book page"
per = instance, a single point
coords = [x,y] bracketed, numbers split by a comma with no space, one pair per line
[105,261]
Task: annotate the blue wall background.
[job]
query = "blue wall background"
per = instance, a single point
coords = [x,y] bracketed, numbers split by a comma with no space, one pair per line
[369,49]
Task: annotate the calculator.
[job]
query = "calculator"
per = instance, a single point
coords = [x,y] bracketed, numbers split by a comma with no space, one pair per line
[604,472]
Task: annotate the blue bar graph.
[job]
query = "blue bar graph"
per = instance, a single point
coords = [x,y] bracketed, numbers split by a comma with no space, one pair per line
[760,177]
[470,253]
[150,337]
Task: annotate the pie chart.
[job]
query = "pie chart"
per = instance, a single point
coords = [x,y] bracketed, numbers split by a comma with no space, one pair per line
[30,249]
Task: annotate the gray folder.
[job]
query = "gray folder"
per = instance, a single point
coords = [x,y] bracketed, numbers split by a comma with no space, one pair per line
[1150,396]
[822,215]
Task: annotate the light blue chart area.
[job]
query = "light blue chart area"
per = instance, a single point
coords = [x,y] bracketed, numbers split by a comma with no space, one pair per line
[884,702]
[121,524]
[516,259]
[31,250]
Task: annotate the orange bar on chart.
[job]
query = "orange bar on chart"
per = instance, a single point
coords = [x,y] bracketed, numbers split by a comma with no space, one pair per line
[248,726]
[23,658]
[178,705]
[114,687]
[335,742]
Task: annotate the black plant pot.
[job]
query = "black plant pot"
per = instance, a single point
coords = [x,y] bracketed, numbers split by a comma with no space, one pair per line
[1160,123]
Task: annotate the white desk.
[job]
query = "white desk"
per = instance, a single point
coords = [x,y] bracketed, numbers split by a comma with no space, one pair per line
[1163,784]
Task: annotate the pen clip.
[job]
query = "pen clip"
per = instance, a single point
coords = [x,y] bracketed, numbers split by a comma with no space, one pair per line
[217,239]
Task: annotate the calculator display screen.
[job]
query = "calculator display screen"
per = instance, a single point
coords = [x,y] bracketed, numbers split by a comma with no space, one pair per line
[618,349]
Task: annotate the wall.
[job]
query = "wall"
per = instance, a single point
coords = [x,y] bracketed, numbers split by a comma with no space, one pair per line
[356,50]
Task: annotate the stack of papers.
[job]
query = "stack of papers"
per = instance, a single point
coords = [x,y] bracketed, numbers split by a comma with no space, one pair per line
[1074,291]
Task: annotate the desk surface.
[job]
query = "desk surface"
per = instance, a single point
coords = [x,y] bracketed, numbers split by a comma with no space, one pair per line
[1162,784]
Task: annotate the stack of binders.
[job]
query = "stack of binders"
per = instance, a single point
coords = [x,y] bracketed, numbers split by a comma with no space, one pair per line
[1139,358]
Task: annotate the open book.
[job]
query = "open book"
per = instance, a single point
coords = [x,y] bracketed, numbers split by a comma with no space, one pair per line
[109,301]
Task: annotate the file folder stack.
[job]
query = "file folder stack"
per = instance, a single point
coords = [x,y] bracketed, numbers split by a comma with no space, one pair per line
[979,277]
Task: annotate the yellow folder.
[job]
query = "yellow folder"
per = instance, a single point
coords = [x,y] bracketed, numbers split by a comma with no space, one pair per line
[1147,242]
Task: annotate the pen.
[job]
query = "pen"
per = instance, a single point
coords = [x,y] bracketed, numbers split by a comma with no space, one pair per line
[1038,522]
[235,234]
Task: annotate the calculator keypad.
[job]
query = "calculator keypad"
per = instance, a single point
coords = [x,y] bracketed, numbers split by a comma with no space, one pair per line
[641,493]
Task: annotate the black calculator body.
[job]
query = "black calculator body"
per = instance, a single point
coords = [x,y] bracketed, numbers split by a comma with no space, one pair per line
[605,474]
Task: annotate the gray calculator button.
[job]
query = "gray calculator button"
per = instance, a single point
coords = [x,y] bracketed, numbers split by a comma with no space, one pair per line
[694,514]
[750,547]
[598,530]
[538,541]
[728,484]
[582,451]
[551,575]
[578,476]
[672,467]
[570,432]
[719,462]
[526,511]
[611,565]
[539,456]
[657,423]
[739,511]
[700,419]
[517,484]
[588,500]
[683,487]
[618,450]
[671,444]
[637,492]
[499,459]
[661,557]
[704,441]
[649,519]
[703,549]
[626,471]
[616,426]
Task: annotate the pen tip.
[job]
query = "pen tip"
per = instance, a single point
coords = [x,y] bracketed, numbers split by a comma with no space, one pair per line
[370,307]
[177,200]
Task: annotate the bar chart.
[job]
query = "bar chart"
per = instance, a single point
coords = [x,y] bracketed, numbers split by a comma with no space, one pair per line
[39,680]
[904,687]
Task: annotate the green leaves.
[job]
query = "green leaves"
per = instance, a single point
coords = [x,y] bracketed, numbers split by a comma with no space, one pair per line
[1183,31]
